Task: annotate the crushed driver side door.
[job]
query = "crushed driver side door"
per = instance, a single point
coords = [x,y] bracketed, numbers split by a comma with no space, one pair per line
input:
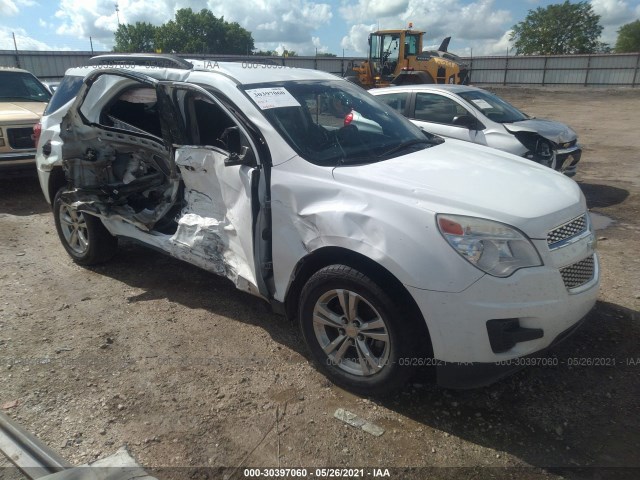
[217,222]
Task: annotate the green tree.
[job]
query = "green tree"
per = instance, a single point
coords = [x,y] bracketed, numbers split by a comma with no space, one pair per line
[564,28]
[266,53]
[628,38]
[237,39]
[327,54]
[189,32]
[136,38]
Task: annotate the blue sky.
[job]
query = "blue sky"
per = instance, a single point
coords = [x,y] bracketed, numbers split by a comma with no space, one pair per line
[300,25]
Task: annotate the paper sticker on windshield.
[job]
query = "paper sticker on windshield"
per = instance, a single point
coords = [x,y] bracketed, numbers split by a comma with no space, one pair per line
[482,104]
[274,97]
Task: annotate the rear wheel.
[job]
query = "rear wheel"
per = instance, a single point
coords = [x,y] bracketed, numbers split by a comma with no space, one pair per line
[83,236]
[357,336]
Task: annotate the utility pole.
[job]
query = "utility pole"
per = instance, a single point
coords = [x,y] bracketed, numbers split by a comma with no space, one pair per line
[15,45]
[91,42]
[118,14]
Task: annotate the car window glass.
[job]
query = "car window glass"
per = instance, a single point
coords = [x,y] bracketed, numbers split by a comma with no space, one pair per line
[432,107]
[134,110]
[397,100]
[22,86]
[67,90]
[411,45]
[207,124]
[333,122]
[493,107]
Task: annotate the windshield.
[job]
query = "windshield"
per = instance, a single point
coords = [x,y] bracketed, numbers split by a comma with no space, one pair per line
[493,107]
[23,87]
[333,122]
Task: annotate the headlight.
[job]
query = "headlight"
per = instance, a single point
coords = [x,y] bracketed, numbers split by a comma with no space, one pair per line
[495,248]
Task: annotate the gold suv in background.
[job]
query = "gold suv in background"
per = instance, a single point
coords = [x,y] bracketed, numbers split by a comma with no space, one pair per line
[22,101]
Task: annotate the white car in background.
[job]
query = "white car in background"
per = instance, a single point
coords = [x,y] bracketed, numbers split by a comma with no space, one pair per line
[475,115]
[391,248]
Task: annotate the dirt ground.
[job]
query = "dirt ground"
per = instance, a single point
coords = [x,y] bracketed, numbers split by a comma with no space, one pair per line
[173,362]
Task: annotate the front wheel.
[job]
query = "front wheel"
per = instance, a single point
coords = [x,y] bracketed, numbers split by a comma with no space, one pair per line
[83,236]
[355,333]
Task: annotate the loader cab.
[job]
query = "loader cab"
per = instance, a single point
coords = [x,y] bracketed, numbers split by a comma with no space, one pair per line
[389,50]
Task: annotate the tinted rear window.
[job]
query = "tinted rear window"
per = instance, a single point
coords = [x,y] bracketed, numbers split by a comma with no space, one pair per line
[67,89]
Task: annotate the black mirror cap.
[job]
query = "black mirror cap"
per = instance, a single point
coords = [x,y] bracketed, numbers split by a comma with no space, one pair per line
[238,154]
[467,121]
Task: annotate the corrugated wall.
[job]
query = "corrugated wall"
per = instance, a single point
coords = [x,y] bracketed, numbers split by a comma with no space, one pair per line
[45,65]
[586,70]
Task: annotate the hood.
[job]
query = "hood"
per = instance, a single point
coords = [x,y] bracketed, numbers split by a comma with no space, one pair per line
[463,178]
[17,112]
[555,131]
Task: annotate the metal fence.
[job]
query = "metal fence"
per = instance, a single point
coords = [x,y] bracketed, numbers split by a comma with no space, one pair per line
[584,70]
[44,65]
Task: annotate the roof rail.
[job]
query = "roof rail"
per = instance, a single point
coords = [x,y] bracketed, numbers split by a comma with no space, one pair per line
[234,59]
[141,59]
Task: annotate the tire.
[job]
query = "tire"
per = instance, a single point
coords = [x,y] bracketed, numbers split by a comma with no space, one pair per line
[83,236]
[338,307]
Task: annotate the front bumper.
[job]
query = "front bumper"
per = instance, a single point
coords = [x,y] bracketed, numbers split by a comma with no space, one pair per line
[536,297]
[567,160]
[476,375]
[17,161]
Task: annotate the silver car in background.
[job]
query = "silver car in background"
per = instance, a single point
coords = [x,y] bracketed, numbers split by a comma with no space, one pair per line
[478,116]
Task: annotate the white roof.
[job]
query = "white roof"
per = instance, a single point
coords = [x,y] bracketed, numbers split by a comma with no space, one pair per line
[248,72]
[240,72]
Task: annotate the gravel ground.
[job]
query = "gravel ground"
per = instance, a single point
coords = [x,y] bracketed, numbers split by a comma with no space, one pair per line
[173,362]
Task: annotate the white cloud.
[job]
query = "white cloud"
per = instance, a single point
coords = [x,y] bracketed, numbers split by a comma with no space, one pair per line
[23,40]
[439,18]
[613,14]
[12,7]
[272,22]
[8,8]
[489,47]
[356,40]
[44,24]
[374,9]
[317,44]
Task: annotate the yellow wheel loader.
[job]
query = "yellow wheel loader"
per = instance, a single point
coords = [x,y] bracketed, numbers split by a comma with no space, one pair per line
[396,58]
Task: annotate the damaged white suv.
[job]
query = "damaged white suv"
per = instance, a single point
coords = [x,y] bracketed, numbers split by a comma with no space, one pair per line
[393,249]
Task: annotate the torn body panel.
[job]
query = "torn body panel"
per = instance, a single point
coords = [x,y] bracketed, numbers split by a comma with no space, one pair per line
[556,132]
[123,166]
[129,178]
[217,210]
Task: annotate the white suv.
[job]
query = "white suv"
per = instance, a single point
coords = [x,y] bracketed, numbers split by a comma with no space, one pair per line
[392,248]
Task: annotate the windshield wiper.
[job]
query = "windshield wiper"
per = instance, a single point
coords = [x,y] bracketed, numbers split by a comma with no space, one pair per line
[361,159]
[408,144]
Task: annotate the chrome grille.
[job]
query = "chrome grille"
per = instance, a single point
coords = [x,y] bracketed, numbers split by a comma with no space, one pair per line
[570,229]
[579,273]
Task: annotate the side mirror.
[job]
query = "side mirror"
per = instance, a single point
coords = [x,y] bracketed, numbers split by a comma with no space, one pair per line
[238,153]
[466,121]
